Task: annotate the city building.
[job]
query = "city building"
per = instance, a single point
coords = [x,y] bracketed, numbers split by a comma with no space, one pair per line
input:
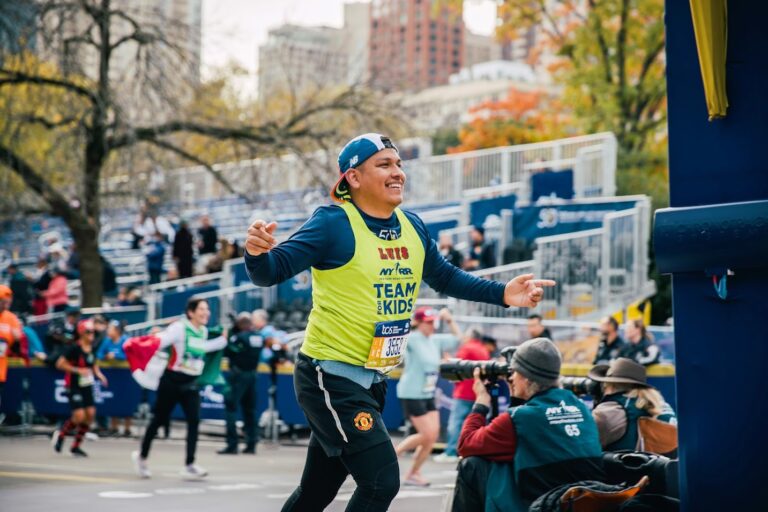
[146,85]
[495,70]
[448,106]
[301,59]
[357,31]
[479,48]
[412,47]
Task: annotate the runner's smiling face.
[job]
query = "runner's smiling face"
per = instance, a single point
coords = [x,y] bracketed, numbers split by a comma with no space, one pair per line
[379,181]
[200,315]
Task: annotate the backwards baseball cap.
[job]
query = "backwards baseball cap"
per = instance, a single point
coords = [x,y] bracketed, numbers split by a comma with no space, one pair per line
[357,151]
[425,314]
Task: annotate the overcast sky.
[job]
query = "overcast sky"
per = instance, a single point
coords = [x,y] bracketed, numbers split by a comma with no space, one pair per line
[233,29]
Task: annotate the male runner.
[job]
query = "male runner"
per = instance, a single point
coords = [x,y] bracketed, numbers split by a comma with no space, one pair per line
[368,259]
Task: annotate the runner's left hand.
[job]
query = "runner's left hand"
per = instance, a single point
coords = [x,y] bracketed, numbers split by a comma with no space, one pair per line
[524,291]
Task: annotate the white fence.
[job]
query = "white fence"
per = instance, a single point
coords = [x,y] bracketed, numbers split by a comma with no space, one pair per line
[436,179]
[449,177]
[598,271]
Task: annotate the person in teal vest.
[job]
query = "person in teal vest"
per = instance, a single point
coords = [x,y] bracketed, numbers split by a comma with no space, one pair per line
[549,441]
[368,258]
[627,397]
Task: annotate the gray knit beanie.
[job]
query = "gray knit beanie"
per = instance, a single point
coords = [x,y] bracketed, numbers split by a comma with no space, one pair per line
[537,360]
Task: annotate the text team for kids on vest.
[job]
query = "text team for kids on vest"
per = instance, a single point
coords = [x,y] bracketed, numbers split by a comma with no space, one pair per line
[368,258]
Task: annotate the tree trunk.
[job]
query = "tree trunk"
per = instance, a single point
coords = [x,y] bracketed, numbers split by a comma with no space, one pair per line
[91,284]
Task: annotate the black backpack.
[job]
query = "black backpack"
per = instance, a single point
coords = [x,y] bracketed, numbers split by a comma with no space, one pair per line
[629,466]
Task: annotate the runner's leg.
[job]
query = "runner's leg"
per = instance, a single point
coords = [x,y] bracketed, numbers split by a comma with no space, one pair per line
[377,476]
[190,404]
[320,481]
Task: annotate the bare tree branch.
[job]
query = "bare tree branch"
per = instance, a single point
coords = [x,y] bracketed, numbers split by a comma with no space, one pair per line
[37,183]
[598,28]
[192,158]
[17,77]
[151,133]
[45,122]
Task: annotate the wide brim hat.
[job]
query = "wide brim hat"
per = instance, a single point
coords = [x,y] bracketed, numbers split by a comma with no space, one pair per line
[621,371]
[354,153]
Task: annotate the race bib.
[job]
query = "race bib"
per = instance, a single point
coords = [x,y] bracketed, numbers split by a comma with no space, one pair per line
[3,348]
[85,380]
[192,365]
[388,345]
[430,383]
[255,341]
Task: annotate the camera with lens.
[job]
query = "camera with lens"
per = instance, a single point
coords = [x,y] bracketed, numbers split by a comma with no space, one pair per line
[461,369]
[582,386]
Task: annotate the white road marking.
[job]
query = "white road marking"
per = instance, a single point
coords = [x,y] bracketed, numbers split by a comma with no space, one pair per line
[172,491]
[121,495]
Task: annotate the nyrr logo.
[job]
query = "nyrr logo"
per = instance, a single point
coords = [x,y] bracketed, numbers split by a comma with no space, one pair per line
[398,271]
[393,253]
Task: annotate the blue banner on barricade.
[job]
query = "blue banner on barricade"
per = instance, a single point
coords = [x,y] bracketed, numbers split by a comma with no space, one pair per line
[173,302]
[531,222]
[46,390]
[296,289]
[239,274]
[434,228]
[481,209]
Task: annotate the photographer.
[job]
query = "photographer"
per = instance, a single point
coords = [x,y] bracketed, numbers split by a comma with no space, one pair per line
[549,441]
[627,397]
[472,349]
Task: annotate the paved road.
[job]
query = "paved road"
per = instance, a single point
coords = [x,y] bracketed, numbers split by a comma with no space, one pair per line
[33,478]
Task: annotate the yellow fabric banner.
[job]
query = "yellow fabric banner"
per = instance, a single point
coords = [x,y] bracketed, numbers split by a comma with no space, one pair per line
[710,24]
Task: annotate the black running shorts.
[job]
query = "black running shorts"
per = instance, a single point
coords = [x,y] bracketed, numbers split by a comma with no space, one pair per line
[80,398]
[417,406]
[344,416]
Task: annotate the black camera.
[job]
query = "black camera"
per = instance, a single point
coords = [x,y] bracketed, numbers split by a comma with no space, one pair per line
[461,369]
[582,386]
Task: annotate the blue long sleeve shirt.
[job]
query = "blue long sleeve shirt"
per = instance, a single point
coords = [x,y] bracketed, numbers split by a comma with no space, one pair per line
[326,241]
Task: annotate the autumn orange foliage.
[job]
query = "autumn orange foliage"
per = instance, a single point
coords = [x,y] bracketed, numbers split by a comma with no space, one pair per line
[519,118]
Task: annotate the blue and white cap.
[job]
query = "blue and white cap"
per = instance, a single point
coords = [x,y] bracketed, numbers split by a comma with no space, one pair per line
[357,151]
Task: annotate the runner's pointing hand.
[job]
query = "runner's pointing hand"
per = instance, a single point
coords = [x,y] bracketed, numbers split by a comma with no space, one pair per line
[260,239]
[524,291]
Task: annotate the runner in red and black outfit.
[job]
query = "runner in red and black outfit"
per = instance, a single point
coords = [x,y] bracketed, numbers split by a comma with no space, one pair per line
[80,364]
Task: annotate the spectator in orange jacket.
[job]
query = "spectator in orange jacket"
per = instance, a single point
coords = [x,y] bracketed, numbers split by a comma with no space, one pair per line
[10,332]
